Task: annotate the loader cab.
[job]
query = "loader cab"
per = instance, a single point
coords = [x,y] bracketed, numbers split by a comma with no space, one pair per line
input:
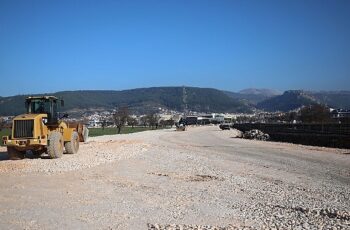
[44,105]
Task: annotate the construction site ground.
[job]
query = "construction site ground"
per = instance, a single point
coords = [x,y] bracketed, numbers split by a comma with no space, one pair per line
[200,177]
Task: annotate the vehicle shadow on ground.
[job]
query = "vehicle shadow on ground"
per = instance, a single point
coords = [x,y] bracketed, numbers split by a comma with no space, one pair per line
[30,155]
[4,156]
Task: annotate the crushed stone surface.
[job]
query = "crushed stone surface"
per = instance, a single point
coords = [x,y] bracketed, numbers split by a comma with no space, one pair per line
[202,178]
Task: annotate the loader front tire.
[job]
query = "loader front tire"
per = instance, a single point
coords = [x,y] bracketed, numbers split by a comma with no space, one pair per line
[14,154]
[72,146]
[55,147]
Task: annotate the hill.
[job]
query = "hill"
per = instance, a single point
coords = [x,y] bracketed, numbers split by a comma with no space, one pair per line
[261,92]
[289,100]
[138,100]
[334,99]
[294,99]
[253,96]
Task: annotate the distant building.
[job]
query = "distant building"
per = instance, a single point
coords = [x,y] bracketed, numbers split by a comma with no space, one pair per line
[191,120]
[94,124]
[204,119]
[217,118]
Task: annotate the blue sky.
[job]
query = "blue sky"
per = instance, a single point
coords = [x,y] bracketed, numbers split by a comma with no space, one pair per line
[48,46]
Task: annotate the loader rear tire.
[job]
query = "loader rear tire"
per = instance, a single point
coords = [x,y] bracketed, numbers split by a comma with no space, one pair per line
[14,154]
[55,147]
[72,146]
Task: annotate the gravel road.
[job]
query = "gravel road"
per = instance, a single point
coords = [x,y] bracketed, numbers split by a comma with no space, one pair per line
[203,178]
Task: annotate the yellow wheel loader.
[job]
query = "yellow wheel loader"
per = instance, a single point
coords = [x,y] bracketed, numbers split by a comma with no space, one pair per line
[42,130]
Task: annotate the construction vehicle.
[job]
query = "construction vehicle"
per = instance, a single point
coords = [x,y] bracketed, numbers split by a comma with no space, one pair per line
[42,130]
[181,125]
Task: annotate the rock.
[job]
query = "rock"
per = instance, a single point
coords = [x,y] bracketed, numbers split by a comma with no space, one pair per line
[256,135]
[239,134]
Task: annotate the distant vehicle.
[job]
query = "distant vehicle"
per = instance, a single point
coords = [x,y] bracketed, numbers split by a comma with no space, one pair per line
[42,130]
[224,126]
[181,125]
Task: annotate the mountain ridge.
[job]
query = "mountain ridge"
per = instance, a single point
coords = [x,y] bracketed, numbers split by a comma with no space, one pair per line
[139,100]
[253,96]
[181,98]
[294,99]
[261,91]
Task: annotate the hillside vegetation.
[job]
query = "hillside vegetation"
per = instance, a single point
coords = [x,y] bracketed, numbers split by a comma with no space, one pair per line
[294,99]
[253,96]
[205,100]
[289,100]
[335,99]
[138,100]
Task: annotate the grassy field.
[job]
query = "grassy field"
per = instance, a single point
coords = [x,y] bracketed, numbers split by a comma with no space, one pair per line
[4,132]
[93,132]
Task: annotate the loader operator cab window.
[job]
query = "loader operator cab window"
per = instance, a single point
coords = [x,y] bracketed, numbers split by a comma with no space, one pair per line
[38,106]
[48,106]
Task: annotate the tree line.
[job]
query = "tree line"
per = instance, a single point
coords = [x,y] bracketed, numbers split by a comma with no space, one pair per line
[121,117]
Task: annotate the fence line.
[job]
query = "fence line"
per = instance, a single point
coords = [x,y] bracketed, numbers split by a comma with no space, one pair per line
[330,135]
